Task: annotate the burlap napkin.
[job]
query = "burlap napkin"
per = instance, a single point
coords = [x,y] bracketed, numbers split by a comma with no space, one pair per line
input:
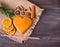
[26,4]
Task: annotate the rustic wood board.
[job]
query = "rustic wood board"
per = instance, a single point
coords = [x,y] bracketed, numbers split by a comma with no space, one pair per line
[48,27]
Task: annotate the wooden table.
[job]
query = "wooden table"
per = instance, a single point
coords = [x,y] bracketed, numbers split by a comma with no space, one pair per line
[48,28]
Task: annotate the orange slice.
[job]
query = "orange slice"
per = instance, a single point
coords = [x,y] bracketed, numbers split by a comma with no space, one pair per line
[7,22]
[12,32]
[8,28]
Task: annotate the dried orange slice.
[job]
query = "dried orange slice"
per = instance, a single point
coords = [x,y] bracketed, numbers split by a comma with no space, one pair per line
[7,22]
[12,32]
[8,28]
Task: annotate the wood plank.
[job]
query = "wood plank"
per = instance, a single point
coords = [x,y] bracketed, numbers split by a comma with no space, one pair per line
[48,28]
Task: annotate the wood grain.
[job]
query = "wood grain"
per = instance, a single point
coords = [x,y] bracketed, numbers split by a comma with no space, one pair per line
[48,28]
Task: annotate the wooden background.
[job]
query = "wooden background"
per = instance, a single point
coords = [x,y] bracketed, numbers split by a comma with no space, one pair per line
[48,28]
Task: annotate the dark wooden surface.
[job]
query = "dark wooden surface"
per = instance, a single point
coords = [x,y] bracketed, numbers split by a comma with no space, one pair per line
[48,28]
